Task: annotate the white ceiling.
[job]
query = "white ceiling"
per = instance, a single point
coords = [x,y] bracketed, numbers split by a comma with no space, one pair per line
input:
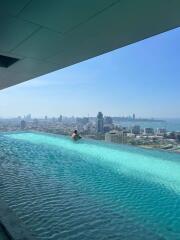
[47,35]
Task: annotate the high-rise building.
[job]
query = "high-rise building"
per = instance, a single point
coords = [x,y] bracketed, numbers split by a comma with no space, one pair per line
[134,116]
[108,124]
[23,124]
[116,136]
[136,129]
[100,123]
[28,117]
[19,117]
[60,118]
[148,131]
[35,123]
[82,121]
[161,131]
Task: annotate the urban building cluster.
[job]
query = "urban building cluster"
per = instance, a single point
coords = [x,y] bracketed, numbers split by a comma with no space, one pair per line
[101,128]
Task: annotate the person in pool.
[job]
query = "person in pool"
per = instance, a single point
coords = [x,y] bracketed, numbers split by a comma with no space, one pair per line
[75,136]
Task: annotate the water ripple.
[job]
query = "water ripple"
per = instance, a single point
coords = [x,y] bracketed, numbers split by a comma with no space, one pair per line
[62,194]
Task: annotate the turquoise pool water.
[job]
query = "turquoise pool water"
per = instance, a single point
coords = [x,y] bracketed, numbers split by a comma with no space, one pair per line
[90,190]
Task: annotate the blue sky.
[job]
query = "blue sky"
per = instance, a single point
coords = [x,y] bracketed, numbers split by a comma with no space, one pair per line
[142,78]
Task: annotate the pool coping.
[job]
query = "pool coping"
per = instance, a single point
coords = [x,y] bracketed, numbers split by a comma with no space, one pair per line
[14,228]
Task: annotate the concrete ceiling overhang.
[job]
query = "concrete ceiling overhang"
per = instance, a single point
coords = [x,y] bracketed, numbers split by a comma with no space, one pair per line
[47,35]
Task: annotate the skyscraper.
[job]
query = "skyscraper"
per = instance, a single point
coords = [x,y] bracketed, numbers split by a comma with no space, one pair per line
[23,124]
[28,117]
[35,123]
[136,129]
[100,123]
[116,136]
[60,118]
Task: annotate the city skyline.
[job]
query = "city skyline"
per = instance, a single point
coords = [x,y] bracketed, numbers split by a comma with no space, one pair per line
[148,134]
[130,117]
[142,78]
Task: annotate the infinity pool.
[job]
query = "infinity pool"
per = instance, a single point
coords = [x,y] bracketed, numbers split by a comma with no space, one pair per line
[90,190]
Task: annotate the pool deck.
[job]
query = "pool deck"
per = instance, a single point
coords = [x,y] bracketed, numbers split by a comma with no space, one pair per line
[11,227]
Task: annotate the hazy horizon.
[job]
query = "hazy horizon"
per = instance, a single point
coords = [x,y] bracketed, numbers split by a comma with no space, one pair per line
[142,78]
[89,116]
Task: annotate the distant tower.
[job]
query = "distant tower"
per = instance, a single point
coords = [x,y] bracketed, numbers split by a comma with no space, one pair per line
[23,124]
[100,123]
[60,118]
[136,129]
[134,116]
[28,117]
[35,123]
